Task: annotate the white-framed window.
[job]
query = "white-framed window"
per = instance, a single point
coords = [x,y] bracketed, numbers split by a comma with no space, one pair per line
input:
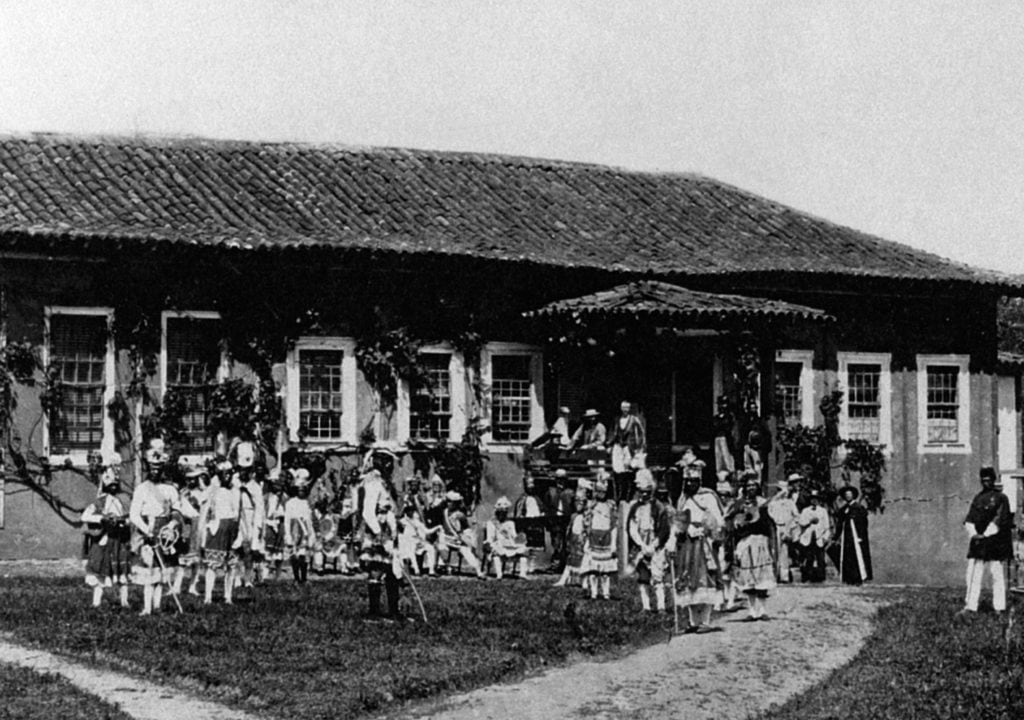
[79,348]
[192,362]
[866,412]
[513,375]
[321,391]
[435,409]
[794,386]
[943,403]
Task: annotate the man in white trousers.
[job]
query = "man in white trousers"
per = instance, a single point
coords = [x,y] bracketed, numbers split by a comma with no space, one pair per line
[989,529]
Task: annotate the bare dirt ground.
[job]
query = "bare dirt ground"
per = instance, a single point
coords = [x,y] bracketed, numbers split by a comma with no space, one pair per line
[742,670]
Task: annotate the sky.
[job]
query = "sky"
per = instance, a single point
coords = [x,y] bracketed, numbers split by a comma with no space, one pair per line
[905,120]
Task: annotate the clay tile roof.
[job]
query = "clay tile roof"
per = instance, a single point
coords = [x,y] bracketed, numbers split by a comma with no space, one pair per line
[254,196]
[653,298]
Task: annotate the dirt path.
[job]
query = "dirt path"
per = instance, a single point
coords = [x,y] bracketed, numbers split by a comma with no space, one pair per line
[142,700]
[744,669]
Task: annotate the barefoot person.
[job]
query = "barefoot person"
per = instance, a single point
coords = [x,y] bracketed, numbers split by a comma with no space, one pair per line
[108,564]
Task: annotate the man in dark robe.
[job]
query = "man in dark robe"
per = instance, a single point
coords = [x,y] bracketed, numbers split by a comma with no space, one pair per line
[851,552]
[989,527]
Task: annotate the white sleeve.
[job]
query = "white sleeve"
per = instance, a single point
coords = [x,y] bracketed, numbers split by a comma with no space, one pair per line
[370,497]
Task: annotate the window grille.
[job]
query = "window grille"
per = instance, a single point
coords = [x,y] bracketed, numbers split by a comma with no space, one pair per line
[77,352]
[789,392]
[320,394]
[431,402]
[193,357]
[510,398]
[943,406]
[864,401]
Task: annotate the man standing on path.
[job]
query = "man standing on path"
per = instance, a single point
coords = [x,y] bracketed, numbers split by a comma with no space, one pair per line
[988,526]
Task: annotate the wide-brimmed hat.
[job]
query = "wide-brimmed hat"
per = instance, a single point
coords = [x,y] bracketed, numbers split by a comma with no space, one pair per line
[452,496]
[564,410]
[591,413]
[851,489]
[795,477]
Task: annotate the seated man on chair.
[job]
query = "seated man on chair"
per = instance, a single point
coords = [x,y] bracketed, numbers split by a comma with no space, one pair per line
[502,542]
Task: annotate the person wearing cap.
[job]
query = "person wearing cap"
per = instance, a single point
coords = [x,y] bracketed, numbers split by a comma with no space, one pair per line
[108,563]
[591,434]
[156,520]
[852,552]
[783,511]
[379,554]
[628,441]
[275,498]
[458,534]
[815,534]
[501,540]
[221,530]
[193,491]
[251,515]
[648,527]
[559,504]
[601,524]
[754,568]
[529,516]
[697,570]
[722,425]
[989,531]
[575,543]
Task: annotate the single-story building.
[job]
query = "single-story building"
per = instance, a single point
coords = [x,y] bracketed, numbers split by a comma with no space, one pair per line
[491,287]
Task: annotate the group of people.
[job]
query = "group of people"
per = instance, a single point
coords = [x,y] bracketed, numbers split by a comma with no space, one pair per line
[211,521]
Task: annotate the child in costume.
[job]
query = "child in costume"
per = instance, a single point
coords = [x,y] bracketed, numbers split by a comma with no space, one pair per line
[414,542]
[156,520]
[299,537]
[221,531]
[576,546]
[601,524]
[108,561]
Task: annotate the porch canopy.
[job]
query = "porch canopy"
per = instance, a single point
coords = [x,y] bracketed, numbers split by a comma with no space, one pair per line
[654,300]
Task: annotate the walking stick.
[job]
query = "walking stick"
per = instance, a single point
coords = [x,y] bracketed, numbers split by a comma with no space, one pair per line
[163,575]
[415,592]
[675,605]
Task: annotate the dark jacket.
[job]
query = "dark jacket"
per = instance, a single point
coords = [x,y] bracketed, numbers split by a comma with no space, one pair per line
[988,507]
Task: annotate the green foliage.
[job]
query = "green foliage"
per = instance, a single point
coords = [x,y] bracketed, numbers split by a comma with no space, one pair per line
[386,357]
[921,663]
[234,409]
[867,460]
[166,420]
[309,654]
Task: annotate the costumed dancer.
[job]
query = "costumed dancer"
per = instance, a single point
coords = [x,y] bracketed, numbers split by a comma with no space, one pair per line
[299,537]
[989,526]
[726,544]
[698,586]
[852,552]
[251,516]
[156,522]
[575,543]
[815,534]
[784,513]
[273,530]
[221,522]
[108,563]
[530,521]
[601,524]
[378,556]
[433,517]
[649,528]
[196,480]
[754,569]
[457,533]
[501,541]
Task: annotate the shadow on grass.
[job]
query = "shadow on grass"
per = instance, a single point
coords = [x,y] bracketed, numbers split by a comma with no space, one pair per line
[920,661]
[307,652]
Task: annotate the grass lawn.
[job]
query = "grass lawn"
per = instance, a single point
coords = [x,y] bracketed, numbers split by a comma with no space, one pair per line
[306,652]
[921,663]
[29,695]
